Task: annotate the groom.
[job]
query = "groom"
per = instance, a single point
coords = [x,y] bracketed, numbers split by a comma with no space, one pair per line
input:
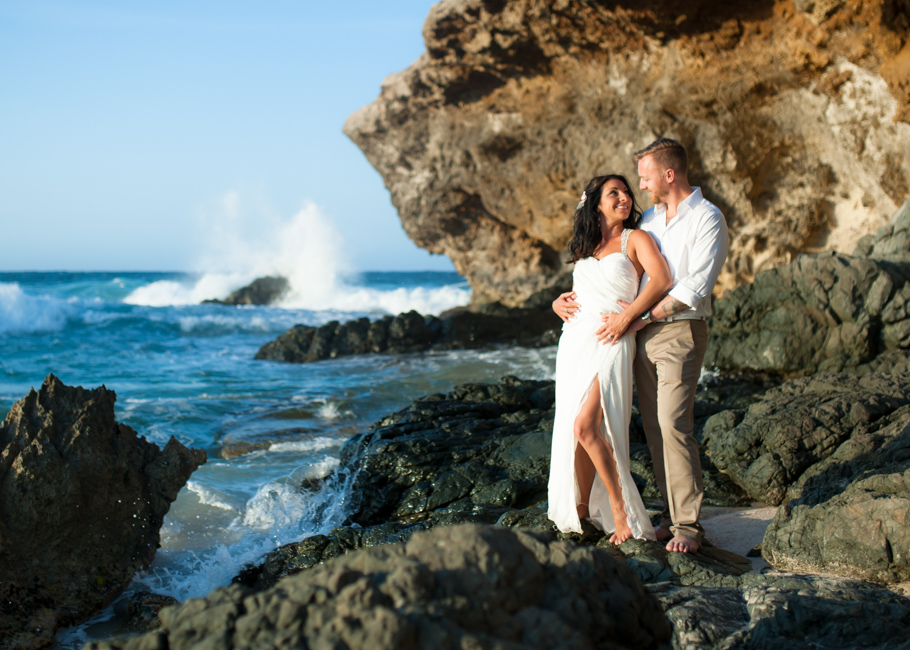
[692,235]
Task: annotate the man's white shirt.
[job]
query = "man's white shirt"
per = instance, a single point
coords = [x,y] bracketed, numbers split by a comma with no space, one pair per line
[695,244]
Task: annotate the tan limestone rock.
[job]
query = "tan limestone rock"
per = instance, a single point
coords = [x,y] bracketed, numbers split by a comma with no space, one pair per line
[794,114]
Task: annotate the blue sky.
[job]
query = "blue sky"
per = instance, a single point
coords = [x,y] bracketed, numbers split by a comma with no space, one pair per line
[129,129]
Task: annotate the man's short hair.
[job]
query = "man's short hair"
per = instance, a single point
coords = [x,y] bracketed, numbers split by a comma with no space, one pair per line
[667,153]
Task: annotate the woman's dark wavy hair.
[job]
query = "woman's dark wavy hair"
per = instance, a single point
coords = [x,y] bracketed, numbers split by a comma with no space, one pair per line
[587,235]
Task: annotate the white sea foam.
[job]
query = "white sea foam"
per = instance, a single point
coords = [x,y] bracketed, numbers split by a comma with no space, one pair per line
[218,323]
[707,375]
[306,249]
[277,514]
[20,312]
[276,506]
[332,411]
[208,496]
[166,293]
[313,444]
[421,299]
[322,468]
[200,574]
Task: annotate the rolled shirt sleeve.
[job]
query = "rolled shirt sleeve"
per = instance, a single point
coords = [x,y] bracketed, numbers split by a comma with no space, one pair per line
[706,259]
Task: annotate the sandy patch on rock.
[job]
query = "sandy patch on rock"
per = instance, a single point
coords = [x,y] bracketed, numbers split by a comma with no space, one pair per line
[738,530]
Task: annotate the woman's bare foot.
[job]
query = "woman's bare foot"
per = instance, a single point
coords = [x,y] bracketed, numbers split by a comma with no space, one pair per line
[662,534]
[622,532]
[583,512]
[683,544]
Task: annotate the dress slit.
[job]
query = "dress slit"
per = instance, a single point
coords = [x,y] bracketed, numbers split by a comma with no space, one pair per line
[606,433]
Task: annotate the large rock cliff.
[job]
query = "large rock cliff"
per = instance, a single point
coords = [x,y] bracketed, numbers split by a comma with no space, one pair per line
[795,114]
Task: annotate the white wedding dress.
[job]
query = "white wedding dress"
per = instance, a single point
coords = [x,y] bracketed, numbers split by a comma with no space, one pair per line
[598,284]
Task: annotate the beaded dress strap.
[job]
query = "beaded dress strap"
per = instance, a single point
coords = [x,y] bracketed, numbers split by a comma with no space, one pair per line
[625,241]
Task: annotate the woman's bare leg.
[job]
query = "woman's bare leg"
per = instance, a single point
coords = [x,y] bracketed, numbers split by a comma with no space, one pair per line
[584,474]
[587,431]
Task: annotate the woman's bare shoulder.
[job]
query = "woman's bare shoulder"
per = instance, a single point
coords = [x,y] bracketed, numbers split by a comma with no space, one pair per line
[642,238]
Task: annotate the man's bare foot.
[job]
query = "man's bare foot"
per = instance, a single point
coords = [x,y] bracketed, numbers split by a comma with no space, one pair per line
[662,534]
[683,544]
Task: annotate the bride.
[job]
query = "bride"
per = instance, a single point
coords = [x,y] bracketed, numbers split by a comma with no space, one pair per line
[589,462]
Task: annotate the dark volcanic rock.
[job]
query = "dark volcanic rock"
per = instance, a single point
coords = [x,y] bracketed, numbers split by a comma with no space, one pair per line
[82,499]
[768,447]
[261,291]
[462,328]
[478,454]
[466,586]
[825,313]
[143,608]
[481,444]
[834,450]
[786,611]
[453,458]
[850,514]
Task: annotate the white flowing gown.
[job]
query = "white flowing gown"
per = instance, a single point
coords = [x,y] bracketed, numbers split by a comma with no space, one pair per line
[580,358]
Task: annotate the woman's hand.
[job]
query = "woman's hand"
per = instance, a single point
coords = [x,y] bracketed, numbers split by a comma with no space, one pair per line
[565,306]
[614,327]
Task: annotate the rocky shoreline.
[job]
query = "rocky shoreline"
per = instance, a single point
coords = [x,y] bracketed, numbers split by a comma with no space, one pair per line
[463,328]
[82,500]
[796,117]
[819,429]
[457,471]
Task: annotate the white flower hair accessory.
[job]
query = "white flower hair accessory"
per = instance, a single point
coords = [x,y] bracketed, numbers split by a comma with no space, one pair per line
[581,202]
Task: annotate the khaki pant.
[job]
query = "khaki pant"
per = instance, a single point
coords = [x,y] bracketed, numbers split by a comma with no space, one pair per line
[667,367]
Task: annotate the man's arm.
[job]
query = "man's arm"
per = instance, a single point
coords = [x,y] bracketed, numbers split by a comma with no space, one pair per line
[668,306]
[707,257]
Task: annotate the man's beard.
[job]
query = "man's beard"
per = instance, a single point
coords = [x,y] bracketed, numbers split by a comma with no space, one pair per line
[659,195]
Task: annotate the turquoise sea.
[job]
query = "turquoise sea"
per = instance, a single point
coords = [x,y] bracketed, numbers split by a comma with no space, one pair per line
[185,369]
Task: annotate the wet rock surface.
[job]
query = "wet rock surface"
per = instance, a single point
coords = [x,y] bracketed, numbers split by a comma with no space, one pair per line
[456,587]
[481,444]
[261,291]
[82,499]
[786,611]
[462,328]
[447,460]
[480,454]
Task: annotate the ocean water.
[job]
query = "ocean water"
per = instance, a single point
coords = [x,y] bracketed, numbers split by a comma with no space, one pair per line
[185,369]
